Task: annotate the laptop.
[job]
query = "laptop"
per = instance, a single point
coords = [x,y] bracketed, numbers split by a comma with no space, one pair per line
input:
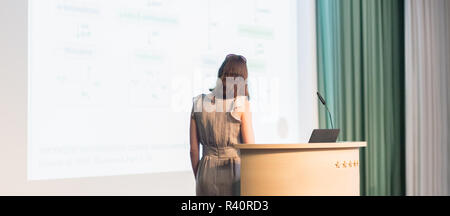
[324,135]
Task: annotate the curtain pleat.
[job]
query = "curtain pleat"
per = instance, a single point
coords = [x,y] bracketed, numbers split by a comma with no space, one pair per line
[427,56]
[361,73]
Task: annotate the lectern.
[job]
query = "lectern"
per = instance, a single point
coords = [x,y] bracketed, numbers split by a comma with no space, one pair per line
[300,169]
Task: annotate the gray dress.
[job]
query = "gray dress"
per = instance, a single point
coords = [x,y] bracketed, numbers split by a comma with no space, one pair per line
[218,130]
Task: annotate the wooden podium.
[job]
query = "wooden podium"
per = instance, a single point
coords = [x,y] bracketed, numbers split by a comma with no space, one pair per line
[300,169]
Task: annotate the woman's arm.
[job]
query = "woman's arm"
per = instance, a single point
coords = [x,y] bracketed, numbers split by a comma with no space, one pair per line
[194,146]
[246,125]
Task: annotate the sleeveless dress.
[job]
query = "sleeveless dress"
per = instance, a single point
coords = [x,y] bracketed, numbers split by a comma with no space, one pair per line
[218,130]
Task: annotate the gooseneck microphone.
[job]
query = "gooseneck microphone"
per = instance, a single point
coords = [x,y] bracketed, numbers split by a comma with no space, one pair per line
[325,104]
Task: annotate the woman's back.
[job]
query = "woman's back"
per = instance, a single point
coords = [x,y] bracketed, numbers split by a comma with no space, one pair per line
[218,128]
[218,124]
[218,120]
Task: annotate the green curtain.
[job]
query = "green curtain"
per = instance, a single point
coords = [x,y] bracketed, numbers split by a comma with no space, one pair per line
[360,45]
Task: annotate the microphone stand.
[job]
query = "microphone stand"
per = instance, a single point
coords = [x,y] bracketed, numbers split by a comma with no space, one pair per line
[325,104]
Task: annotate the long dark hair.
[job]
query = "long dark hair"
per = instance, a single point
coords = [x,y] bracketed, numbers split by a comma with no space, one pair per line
[233,66]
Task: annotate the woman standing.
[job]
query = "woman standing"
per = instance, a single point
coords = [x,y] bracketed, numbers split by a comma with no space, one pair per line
[219,120]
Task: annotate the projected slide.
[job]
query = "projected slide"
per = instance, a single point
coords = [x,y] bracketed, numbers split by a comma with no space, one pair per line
[111,82]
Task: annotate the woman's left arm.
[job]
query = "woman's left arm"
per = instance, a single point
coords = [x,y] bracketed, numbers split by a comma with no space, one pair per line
[248,136]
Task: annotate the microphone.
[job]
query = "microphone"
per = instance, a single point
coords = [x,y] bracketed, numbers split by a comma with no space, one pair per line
[325,104]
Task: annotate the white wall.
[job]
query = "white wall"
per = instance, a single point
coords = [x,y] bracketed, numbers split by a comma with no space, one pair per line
[307,61]
[13,117]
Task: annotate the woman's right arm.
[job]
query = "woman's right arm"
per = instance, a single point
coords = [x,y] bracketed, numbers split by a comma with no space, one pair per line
[194,152]
[248,136]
